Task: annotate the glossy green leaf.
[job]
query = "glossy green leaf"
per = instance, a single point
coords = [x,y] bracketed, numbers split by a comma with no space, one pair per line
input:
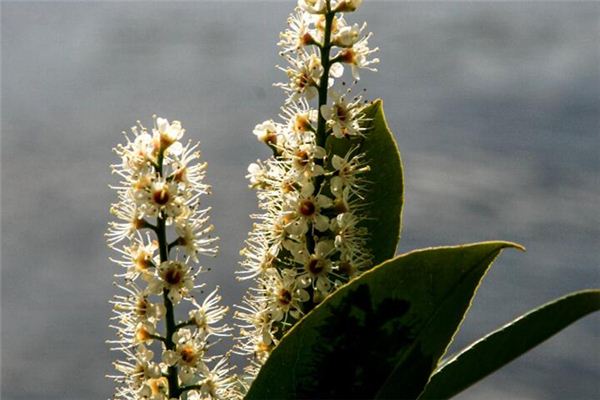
[509,342]
[381,334]
[385,193]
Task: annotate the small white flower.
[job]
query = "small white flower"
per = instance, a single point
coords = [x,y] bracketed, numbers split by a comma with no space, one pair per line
[298,34]
[266,132]
[304,160]
[174,276]
[348,5]
[167,133]
[307,208]
[286,294]
[348,35]
[342,116]
[257,174]
[357,56]
[304,75]
[154,195]
[208,315]
[154,389]
[348,174]
[194,234]
[313,6]
[217,383]
[317,267]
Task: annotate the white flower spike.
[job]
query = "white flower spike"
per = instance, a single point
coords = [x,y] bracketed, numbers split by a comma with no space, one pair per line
[161,188]
[310,235]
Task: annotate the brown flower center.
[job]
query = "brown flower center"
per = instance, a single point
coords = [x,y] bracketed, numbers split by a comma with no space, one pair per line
[307,208]
[141,306]
[173,276]
[347,56]
[180,175]
[316,266]
[142,262]
[345,267]
[161,197]
[142,334]
[302,158]
[301,124]
[306,39]
[340,206]
[284,297]
[188,354]
[341,113]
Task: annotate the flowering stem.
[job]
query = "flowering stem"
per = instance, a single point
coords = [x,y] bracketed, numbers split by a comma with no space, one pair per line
[184,324]
[324,81]
[163,246]
[191,387]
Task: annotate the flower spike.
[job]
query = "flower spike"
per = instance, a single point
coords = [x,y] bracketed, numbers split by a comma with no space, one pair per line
[309,237]
[160,195]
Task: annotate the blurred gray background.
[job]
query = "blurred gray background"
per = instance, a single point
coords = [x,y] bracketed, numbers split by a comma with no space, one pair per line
[496,107]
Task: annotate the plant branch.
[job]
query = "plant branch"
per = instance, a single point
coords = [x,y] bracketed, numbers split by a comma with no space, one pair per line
[163,246]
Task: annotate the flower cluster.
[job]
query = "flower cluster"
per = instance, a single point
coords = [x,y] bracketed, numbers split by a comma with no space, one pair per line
[309,237]
[161,182]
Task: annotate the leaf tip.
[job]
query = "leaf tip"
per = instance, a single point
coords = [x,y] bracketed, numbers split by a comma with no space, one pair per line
[517,246]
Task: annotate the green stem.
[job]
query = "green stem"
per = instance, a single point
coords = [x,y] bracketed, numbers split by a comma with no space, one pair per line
[324,81]
[163,245]
[185,323]
[321,134]
[190,387]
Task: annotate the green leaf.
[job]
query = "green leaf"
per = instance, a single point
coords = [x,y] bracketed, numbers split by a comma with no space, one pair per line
[385,193]
[381,334]
[509,342]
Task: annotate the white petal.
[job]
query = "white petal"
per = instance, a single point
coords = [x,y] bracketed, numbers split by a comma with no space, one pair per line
[319,152]
[162,124]
[324,201]
[321,223]
[337,162]
[307,189]
[323,248]
[326,111]
[337,70]
[337,186]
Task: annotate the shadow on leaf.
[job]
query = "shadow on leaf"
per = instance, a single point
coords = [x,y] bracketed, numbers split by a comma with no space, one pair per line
[358,348]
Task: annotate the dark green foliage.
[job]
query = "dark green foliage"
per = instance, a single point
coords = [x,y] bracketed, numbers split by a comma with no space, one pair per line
[381,334]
